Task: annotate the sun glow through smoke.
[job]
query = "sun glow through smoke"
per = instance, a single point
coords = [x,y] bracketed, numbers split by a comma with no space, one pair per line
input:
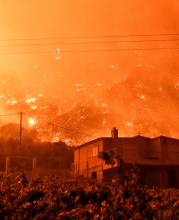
[31,121]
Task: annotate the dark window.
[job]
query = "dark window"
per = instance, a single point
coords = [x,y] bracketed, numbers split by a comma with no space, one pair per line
[172,177]
[164,141]
[93,175]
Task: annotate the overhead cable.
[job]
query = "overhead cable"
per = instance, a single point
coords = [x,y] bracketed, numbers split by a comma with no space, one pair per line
[88,51]
[59,126]
[85,37]
[89,42]
[11,114]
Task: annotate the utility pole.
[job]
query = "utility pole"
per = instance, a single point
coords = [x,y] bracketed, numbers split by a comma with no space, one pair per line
[20,127]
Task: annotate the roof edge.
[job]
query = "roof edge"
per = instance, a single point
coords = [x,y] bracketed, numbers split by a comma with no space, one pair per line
[102,138]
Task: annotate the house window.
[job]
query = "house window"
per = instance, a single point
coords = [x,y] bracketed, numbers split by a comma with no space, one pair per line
[93,175]
[164,140]
[95,151]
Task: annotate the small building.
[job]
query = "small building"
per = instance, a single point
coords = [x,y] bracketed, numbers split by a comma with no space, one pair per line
[157,158]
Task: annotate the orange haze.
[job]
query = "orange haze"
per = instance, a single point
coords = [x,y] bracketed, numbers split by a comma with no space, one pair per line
[55,75]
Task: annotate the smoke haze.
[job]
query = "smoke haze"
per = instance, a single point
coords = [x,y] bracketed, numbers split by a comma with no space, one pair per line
[67,80]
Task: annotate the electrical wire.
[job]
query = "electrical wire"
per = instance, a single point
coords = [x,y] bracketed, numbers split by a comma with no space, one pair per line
[59,126]
[10,114]
[88,51]
[83,37]
[90,42]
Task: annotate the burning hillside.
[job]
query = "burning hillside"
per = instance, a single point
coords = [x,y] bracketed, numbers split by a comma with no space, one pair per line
[86,122]
[144,101]
[89,67]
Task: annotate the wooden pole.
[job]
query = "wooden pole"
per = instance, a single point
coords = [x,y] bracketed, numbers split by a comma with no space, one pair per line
[20,127]
[102,173]
[87,169]
[7,164]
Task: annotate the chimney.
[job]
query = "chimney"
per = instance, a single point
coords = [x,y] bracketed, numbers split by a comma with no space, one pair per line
[114,133]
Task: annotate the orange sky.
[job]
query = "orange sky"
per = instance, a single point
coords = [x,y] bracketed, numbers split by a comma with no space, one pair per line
[42,73]
[43,19]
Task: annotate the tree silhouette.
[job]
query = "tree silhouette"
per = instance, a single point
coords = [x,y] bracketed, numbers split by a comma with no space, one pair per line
[111,157]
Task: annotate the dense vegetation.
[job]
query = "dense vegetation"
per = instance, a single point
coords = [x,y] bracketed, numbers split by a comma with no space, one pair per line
[51,198]
[59,151]
[35,149]
[31,144]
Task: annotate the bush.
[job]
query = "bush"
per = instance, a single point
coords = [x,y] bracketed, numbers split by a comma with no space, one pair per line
[51,198]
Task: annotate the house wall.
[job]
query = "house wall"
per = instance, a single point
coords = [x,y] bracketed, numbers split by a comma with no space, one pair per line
[176,168]
[100,147]
[159,176]
[83,160]
[95,163]
[172,144]
[76,161]
[135,149]
[86,163]
[155,145]
[108,144]
[171,148]
[131,150]
[153,155]
[128,148]
[154,175]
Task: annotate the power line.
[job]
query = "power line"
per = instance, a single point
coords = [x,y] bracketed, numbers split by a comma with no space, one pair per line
[50,124]
[60,126]
[91,42]
[83,37]
[11,114]
[88,51]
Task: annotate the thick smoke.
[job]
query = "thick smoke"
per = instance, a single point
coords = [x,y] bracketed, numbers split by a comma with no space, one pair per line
[152,74]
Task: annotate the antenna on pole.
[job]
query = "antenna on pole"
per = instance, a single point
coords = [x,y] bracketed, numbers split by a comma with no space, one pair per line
[20,127]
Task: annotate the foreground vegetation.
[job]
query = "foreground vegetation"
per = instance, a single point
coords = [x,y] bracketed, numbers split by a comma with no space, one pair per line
[22,197]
